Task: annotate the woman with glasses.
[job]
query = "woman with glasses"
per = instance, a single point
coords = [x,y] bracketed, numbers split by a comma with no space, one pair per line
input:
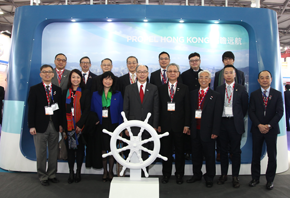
[77,108]
[107,103]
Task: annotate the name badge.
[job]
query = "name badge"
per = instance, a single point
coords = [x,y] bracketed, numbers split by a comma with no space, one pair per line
[55,106]
[105,113]
[198,114]
[228,110]
[73,111]
[170,106]
[48,110]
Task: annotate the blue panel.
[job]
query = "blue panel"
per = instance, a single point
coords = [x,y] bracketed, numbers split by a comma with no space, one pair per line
[12,121]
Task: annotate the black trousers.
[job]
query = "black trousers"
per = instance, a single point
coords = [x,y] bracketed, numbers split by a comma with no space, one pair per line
[271,143]
[230,139]
[76,155]
[287,119]
[200,149]
[175,139]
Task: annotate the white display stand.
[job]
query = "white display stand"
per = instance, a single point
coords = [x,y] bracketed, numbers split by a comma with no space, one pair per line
[135,185]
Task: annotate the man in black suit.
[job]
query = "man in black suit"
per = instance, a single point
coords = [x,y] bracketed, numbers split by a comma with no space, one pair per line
[175,119]
[131,77]
[159,77]
[206,111]
[190,76]
[265,111]
[228,58]
[287,105]
[85,64]
[141,98]
[44,121]
[61,74]
[235,106]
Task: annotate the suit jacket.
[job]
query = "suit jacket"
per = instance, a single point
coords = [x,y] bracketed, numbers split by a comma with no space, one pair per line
[85,108]
[124,81]
[239,75]
[287,99]
[135,110]
[37,101]
[115,109]
[240,104]
[190,78]
[97,84]
[64,79]
[90,80]
[211,114]
[155,78]
[178,119]
[2,94]
[274,111]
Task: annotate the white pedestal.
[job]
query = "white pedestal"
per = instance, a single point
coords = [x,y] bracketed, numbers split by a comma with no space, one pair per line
[144,188]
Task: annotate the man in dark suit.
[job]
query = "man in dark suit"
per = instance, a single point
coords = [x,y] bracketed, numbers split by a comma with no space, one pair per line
[235,106]
[141,98]
[175,119]
[85,64]
[60,78]
[265,111]
[130,77]
[206,111]
[44,121]
[287,105]
[190,76]
[159,77]
[228,58]
[106,65]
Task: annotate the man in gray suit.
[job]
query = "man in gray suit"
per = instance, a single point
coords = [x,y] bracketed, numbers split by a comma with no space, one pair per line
[60,78]
[140,98]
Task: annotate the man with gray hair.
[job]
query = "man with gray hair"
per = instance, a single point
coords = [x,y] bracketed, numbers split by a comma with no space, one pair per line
[206,111]
[175,119]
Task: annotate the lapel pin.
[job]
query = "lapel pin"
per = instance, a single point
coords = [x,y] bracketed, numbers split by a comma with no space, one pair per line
[64,76]
[54,92]
[147,90]
[90,77]
[270,97]
[211,97]
[236,89]
[177,89]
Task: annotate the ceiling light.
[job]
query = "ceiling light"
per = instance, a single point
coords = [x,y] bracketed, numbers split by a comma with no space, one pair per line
[253,5]
[73,20]
[181,21]
[145,20]
[109,20]
[216,22]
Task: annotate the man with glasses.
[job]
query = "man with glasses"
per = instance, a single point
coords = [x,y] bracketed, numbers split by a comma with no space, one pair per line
[60,73]
[175,119]
[141,98]
[44,122]
[85,64]
[159,77]
[190,76]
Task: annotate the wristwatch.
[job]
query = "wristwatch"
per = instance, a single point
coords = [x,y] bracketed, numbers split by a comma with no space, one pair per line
[269,126]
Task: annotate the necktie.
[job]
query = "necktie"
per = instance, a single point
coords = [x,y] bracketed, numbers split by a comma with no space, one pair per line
[164,77]
[141,94]
[59,73]
[133,78]
[265,99]
[229,90]
[84,77]
[202,93]
[47,91]
[172,90]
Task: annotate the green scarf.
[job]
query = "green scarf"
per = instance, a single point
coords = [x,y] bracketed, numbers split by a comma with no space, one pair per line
[106,102]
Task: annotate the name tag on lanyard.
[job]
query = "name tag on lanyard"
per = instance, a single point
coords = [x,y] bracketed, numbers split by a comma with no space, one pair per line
[198,114]
[48,110]
[170,106]
[55,106]
[228,110]
[105,113]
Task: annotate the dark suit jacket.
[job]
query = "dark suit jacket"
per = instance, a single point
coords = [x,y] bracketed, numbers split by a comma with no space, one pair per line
[135,110]
[115,109]
[2,94]
[174,120]
[211,114]
[155,78]
[85,108]
[64,79]
[287,99]
[274,111]
[124,81]
[190,79]
[90,80]
[239,75]
[36,103]
[240,104]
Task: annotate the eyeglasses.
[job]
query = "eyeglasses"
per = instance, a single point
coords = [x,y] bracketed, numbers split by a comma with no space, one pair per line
[174,72]
[194,61]
[142,72]
[46,72]
[129,63]
[107,65]
[204,78]
[163,59]
[61,60]
[85,63]
[228,59]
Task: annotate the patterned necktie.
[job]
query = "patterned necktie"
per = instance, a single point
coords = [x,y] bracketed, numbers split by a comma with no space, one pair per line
[265,99]
[202,93]
[229,93]
[59,74]
[172,90]
[164,77]
[133,78]
[47,91]
[141,94]
[84,77]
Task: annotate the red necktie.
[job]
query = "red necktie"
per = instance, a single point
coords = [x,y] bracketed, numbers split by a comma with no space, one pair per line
[141,94]
[202,93]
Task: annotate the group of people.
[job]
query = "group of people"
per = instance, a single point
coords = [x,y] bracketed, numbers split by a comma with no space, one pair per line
[81,104]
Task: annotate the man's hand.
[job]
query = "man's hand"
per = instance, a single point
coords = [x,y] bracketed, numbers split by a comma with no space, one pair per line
[159,129]
[32,131]
[78,129]
[185,130]
[188,132]
[263,128]
[213,136]
[97,122]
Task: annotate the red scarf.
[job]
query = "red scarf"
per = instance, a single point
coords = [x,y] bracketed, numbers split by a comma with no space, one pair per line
[72,120]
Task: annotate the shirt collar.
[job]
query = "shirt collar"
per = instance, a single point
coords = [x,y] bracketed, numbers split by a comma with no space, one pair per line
[47,85]
[87,73]
[268,90]
[139,84]
[231,85]
[173,84]
[59,70]
[203,89]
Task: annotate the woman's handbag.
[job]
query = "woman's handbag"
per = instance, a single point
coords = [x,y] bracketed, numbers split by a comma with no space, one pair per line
[62,151]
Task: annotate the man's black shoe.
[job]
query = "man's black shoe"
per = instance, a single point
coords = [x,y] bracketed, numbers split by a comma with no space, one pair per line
[209,184]
[222,179]
[165,180]
[193,179]
[44,183]
[54,180]
[269,185]
[254,182]
[179,179]
[236,183]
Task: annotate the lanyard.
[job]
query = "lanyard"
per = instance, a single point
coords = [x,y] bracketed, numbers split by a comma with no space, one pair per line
[163,79]
[230,98]
[201,100]
[172,93]
[47,96]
